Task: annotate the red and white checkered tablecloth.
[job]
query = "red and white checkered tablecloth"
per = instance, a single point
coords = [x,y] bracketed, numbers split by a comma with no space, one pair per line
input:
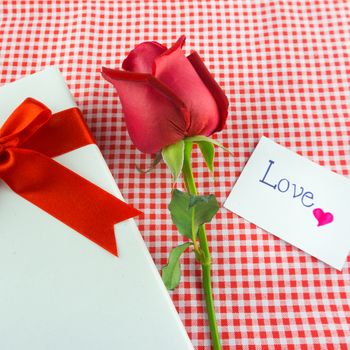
[286,70]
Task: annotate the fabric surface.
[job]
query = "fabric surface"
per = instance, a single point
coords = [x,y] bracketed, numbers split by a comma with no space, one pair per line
[285,68]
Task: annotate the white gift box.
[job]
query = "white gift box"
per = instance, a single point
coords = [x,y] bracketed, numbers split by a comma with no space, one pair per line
[59,290]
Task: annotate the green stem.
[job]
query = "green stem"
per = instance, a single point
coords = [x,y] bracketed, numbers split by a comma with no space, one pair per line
[205,258]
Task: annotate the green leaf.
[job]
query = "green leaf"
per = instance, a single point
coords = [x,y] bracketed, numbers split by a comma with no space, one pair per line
[205,208]
[181,206]
[171,273]
[194,200]
[207,149]
[181,213]
[201,138]
[173,156]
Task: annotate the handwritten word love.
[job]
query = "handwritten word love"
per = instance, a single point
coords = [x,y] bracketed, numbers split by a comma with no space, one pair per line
[284,185]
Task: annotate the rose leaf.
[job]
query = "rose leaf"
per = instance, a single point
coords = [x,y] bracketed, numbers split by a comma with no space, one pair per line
[171,273]
[188,212]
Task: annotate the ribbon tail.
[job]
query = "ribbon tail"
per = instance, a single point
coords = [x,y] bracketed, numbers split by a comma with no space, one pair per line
[67,196]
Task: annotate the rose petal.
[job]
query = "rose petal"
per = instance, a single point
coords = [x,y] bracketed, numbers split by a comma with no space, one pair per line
[213,87]
[176,71]
[154,116]
[142,57]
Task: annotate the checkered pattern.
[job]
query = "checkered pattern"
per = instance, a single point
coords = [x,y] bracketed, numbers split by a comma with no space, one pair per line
[285,68]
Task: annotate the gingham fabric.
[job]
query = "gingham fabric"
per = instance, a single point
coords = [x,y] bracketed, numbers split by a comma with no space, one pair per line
[285,68]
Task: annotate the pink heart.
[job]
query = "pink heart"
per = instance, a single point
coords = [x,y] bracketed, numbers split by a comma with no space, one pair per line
[322,217]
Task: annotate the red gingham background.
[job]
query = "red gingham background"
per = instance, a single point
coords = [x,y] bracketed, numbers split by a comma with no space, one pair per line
[285,68]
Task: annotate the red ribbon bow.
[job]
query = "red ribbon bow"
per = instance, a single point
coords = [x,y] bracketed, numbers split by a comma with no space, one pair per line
[29,137]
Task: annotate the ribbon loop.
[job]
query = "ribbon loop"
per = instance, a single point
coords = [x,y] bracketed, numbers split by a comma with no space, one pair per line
[28,140]
[24,121]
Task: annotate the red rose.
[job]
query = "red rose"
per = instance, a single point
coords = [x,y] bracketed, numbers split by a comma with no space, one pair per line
[167,96]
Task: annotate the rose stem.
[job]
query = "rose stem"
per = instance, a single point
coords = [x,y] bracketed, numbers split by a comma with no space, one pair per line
[205,259]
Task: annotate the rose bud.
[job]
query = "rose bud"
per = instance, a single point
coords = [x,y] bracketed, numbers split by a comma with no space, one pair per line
[167,96]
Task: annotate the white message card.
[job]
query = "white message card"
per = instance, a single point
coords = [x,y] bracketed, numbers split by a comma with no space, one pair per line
[295,199]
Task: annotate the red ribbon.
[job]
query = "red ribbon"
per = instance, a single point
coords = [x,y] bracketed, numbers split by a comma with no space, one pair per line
[29,137]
